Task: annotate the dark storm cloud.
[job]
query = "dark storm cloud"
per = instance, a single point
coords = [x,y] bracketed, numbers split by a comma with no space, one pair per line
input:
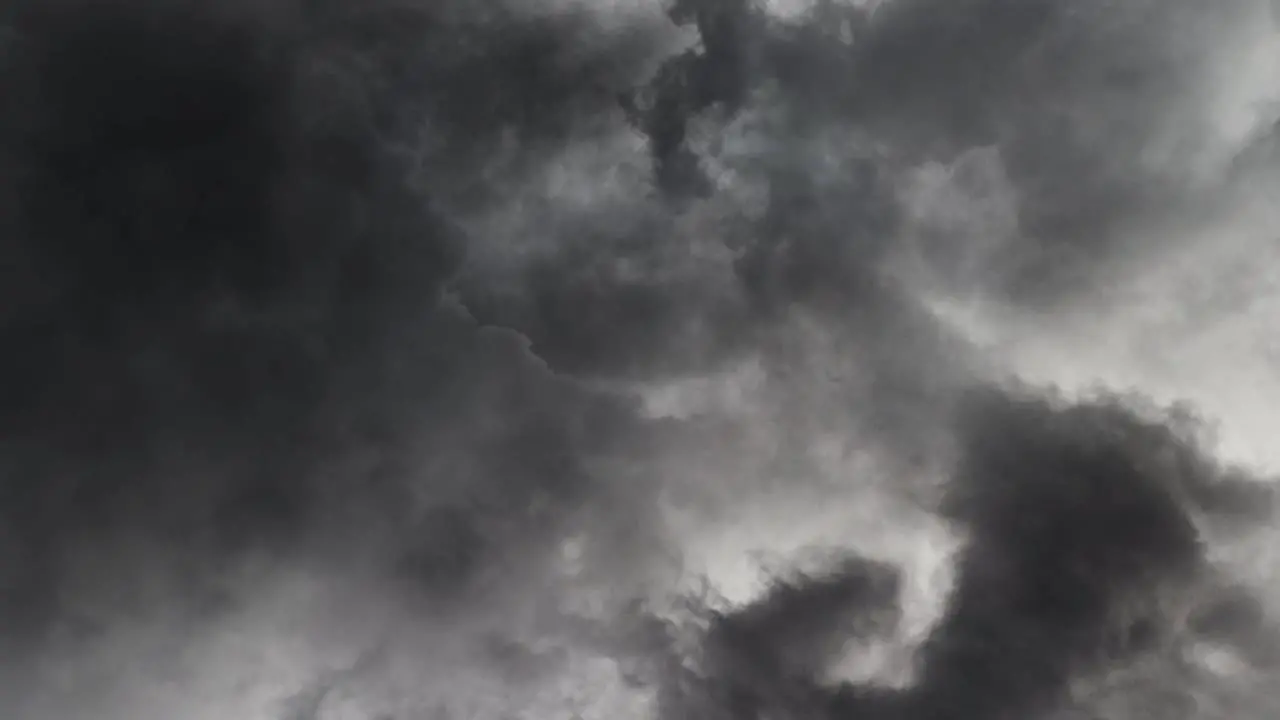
[244,312]
[639,291]
[136,194]
[773,650]
[1073,514]
[1092,116]
[1091,113]
[1082,552]
[226,334]
[1098,110]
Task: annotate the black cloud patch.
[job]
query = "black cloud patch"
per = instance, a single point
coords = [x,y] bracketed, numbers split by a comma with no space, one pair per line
[228,335]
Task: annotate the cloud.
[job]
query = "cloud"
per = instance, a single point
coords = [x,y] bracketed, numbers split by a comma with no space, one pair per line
[235,342]
[1081,553]
[408,357]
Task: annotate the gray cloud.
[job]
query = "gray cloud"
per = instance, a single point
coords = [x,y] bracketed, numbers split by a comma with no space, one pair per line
[404,337]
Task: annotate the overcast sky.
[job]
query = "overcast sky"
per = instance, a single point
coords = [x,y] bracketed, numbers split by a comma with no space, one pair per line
[551,359]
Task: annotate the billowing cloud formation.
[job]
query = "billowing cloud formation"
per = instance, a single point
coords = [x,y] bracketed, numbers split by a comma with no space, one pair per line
[414,360]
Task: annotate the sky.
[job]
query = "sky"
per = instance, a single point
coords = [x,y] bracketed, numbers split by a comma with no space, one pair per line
[556,359]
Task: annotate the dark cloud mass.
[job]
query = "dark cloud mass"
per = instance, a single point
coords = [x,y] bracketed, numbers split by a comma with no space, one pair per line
[395,359]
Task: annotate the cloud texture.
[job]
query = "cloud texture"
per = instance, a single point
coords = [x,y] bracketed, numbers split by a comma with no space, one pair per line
[900,359]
